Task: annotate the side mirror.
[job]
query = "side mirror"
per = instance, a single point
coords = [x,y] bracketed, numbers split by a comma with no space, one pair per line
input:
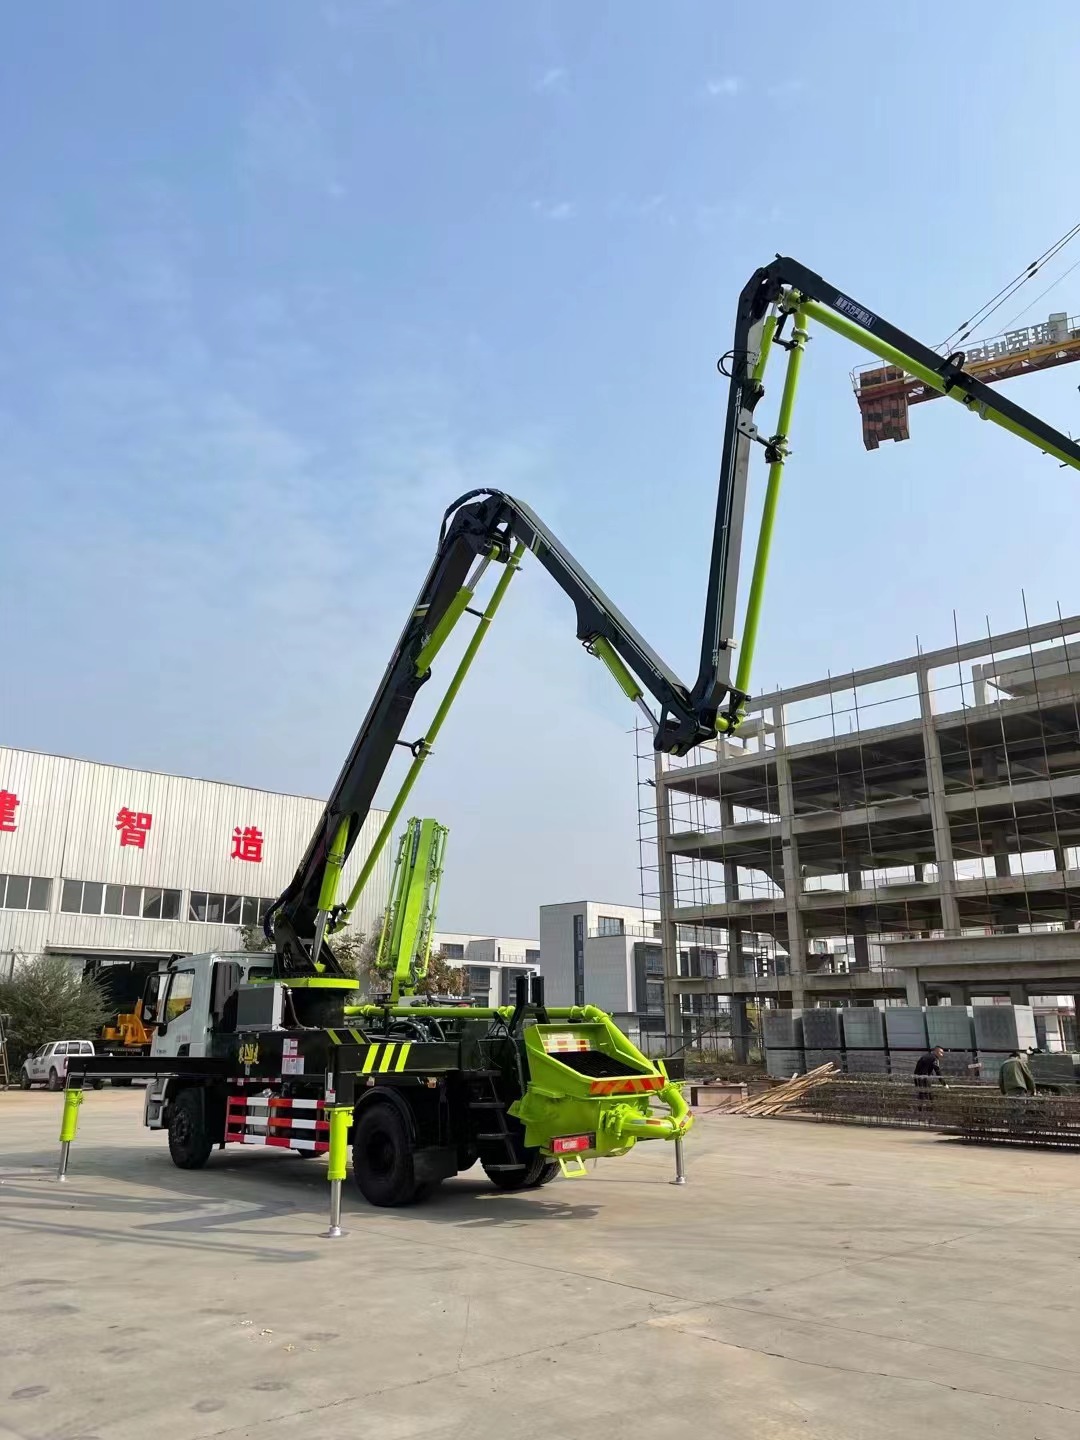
[163,1027]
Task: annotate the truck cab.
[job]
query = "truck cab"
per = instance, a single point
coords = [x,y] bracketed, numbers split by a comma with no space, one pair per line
[192,998]
[188,1002]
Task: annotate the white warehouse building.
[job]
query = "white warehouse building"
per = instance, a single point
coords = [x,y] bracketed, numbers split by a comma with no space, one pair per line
[102,862]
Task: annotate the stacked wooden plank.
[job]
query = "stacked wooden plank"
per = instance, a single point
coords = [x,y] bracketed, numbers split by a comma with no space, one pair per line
[774,1101]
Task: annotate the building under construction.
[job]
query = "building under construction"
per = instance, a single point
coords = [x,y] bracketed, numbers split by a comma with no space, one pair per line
[905,832]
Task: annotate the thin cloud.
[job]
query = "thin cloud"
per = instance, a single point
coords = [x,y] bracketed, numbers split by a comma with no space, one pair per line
[284,139]
[554,210]
[554,78]
[723,86]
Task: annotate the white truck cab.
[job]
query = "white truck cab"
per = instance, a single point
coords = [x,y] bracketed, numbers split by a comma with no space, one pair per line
[190,998]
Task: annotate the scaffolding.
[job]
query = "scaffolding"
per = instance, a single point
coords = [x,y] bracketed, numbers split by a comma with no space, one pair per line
[936,796]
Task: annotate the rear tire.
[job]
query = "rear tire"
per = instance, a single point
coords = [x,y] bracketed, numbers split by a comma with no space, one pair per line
[53,1082]
[383,1163]
[536,1171]
[97,1084]
[190,1143]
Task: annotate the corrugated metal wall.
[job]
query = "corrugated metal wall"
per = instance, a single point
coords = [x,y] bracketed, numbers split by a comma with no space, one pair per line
[66,828]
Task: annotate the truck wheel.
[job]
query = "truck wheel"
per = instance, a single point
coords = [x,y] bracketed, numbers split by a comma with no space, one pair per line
[121,1080]
[535,1172]
[53,1081]
[97,1084]
[24,1080]
[189,1140]
[383,1157]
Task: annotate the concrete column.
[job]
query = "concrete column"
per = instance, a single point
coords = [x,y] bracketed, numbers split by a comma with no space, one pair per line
[740,1030]
[858,926]
[1017,994]
[792,879]
[939,819]
[1060,860]
[669,931]
[916,992]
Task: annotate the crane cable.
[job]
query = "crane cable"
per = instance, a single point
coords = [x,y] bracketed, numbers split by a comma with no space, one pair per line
[1064,274]
[963,331]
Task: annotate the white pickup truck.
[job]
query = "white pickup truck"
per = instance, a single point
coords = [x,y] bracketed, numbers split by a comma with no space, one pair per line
[48,1064]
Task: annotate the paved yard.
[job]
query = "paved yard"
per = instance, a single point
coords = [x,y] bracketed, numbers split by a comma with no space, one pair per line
[826,1283]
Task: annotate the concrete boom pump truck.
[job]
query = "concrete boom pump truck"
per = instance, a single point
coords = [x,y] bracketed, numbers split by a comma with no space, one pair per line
[259,1048]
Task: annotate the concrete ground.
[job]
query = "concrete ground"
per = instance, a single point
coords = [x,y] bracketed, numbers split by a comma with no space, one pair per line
[817,1282]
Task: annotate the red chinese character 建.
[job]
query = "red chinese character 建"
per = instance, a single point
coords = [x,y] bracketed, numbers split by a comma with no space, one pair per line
[247,844]
[8,801]
[133,826]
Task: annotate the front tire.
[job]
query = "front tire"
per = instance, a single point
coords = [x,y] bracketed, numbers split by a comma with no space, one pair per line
[24,1080]
[190,1143]
[383,1163]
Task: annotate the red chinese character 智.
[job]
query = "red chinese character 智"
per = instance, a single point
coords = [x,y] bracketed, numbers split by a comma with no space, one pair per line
[8,802]
[247,844]
[133,826]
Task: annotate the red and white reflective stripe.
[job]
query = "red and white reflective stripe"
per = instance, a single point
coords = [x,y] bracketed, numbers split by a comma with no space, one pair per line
[269,1120]
[318,1147]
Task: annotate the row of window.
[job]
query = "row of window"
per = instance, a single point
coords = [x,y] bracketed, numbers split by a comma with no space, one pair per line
[24,892]
[139,902]
[228,909]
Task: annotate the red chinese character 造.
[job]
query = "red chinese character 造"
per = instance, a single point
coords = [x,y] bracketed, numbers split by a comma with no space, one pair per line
[247,844]
[133,826]
[8,801]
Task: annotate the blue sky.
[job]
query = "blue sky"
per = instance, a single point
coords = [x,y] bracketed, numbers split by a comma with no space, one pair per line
[282,280]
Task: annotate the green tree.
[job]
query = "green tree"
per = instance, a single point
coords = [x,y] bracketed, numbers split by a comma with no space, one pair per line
[355,952]
[442,977]
[253,940]
[47,998]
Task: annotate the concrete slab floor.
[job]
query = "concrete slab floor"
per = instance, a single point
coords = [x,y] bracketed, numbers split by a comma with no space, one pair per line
[825,1283]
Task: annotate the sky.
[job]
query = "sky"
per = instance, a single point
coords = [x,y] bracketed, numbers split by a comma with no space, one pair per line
[281,281]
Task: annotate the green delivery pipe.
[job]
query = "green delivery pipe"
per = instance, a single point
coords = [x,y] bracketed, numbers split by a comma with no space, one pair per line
[772,492]
[387,829]
[892,356]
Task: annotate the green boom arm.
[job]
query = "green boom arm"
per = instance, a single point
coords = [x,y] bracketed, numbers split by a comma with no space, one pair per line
[489,526]
[409,922]
[774,294]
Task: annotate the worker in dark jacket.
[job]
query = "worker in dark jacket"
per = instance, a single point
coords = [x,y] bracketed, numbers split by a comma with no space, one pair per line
[926,1068]
[1015,1077]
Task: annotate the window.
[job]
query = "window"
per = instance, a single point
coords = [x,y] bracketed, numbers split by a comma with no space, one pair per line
[213,909]
[94,897]
[654,995]
[532,957]
[608,925]
[24,892]
[453,952]
[62,1048]
[179,1001]
[654,961]
[479,980]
